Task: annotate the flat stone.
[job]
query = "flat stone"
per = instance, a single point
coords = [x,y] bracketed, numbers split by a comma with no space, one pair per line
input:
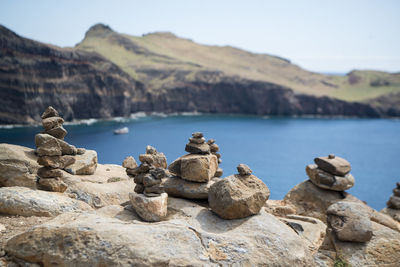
[211,141]
[53,185]
[197,148]
[84,164]
[66,148]
[329,181]
[394,202]
[50,112]
[198,168]
[157,189]
[197,135]
[158,173]
[150,180]
[27,202]
[58,132]
[52,122]
[177,187]
[197,140]
[333,165]
[80,151]
[139,188]
[218,155]
[129,162]
[150,209]
[219,172]
[350,222]
[244,170]
[18,166]
[59,162]
[214,148]
[47,145]
[234,197]
[47,172]
[146,158]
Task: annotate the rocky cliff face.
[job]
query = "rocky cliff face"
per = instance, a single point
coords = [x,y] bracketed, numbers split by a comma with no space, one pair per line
[82,84]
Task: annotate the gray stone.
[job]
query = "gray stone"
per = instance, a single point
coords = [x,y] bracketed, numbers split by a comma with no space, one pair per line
[177,187]
[27,202]
[329,181]
[197,148]
[211,141]
[129,162]
[394,202]
[219,172]
[52,122]
[80,151]
[234,197]
[84,164]
[150,150]
[350,222]
[197,140]
[244,170]
[58,132]
[47,145]
[334,165]
[156,189]
[214,148]
[56,161]
[50,112]
[150,209]
[47,172]
[197,135]
[150,180]
[139,188]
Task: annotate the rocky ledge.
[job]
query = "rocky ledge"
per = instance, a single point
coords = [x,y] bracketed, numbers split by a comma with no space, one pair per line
[95,223]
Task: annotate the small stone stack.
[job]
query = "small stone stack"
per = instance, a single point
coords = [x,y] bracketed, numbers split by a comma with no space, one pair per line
[238,196]
[394,201]
[194,173]
[214,149]
[332,173]
[149,199]
[54,154]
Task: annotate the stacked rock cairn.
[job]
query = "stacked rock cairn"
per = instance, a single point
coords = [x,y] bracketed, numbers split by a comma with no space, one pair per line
[348,221]
[394,200]
[332,173]
[54,154]
[149,199]
[238,196]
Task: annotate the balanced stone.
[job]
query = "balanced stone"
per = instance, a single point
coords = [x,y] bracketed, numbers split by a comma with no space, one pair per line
[151,150]
[47,172]
[350,221]
[219,172]
[196,168]
[234,197]
[194,148]
[244,170]
[52,122]
[58,132]
[150,209]
[56,161]
[53,185]
[197,135]
[211,141]
[329,181]
[129,163]
[50,112]
[80,151]
[139,188]
[85,164]
[155,189]
[394,202]
[149,180]
[47,145]
[177,187]
[333,164]
[197,140]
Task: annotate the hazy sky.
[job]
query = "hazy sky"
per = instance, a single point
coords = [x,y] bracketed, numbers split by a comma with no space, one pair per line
[329,36]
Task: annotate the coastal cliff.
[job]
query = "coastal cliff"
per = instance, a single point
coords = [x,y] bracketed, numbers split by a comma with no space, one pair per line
[83,84]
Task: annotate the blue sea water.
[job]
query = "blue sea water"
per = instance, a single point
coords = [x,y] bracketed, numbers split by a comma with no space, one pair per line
[277,149]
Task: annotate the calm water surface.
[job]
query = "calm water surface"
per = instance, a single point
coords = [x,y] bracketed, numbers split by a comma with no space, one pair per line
[277,149]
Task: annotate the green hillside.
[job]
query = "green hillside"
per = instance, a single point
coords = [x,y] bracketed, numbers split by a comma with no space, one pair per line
[163,60]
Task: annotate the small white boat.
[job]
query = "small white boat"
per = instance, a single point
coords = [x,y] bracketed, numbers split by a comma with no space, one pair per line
[123,130]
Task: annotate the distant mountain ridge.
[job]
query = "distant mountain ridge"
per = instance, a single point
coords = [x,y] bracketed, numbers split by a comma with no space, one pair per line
[110,74]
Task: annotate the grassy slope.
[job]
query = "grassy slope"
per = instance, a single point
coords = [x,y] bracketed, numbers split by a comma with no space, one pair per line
[166,52]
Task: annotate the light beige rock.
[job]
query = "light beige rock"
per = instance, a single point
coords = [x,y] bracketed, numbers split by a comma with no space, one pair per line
[129,163]
[56,161]
[279,208]
[350,221]
[329,181]
[18,166]
[52,185]
[193,236]
[310,229]
[27,202]
[195,168]
[150,209]
[395,214]
[235,197]
[84,164]
[177,187]
[333,165]
[2,227]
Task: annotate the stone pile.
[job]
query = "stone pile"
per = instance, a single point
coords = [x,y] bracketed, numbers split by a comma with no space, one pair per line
[393,205]
[54,154]
[332,173]
[238,196]
[149,199]
[194,173]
